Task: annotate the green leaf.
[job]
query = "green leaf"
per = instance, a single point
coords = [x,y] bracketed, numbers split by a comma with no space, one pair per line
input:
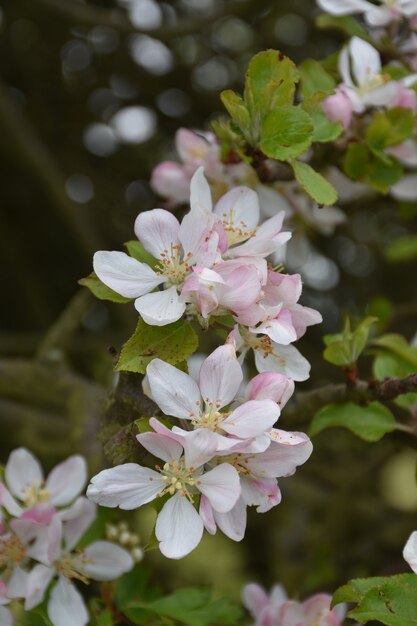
[390,128]
[346,24]
[375,168]
[324,129]
[397,345]
[100,290]
[369,422]
[391,601]
[356,161]
[172,343]
[391,366]
[237,109]
[269,83]
[402,250]
[138,252]
[343,349]
[314,184]
[286,133]
[315,78]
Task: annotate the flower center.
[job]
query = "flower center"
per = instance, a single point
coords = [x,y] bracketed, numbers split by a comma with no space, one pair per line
[173,266]
[239,462]
[12,552]
[209,417]
[72,566]
[35,494]
[373,81]
[179,478]
[236,233]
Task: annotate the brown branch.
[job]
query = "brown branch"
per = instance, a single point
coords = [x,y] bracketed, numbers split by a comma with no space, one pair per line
[391,388]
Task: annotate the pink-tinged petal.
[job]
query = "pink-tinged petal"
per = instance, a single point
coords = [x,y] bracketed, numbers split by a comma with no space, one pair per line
[179,528]
[160,308]
[338,108]
[161,429]
[207,515]
[221,486]
[124,274]
[233,523]
[243,288]
[6,618]
[286,452]
[66,606]
[67,480]
[171,180]
[162,447]
[251,418]
[280,329]
[302,317]
[200,194]
[106,561]
[9,503]
[271,386]
[77,521]
[344,7]
[195,234]
[285,288]
[22,472]
[157,230]
[36,585]
[317,609]
[127,486]
[239,209]
[254,598]
[41,513]
[264,494]
[292,614]
[410,551]
[285,360]
[199,447]
[191,147]
[271,227]
[220,376]
[278,596]
[260,247]
[175,392]
[17,583]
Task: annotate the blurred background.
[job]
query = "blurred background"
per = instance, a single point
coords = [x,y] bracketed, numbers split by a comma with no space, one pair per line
[91,95]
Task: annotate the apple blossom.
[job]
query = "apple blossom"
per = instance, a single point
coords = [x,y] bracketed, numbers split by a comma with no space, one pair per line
[376,16]
[182,478]
[338,108]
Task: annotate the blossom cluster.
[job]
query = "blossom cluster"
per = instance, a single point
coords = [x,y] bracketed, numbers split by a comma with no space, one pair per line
[225,456]
[41,524]
[275,609]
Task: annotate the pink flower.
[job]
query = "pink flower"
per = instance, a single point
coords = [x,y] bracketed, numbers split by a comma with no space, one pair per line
[179,395]
[264,608]
[338,108]
[26,487]
[179,527]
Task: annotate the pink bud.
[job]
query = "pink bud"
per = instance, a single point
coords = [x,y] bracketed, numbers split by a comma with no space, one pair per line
[171,180]
[405,98]
[338,108]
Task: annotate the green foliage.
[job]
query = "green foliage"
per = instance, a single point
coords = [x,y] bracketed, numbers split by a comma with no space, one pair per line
[314,78]
[100,290]
[192,606]
[402,250]
[396,359]
[397,345]
[324,129]
[347,24]
[370,422]
[100,616]
[389,128]
[286,133]
[372,167]
[314,184]
[343,349]
[138,252]
[391,600]
[172,343]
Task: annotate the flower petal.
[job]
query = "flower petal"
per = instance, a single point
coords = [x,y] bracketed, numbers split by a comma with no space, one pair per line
[254,598]
[233,523]
[221,486]
[36,585]
[410,551]
[160,308]
[179,528]
[67,480]
[175,392]
[285,360]
[66,606]
[22,471]
[251,418]
[127,486]
[199,447]
[220,376]
[161,446]
[239,208]
[366,62]
[200,194]
[207,515]
[271,386]
[157,230]
[344,7]
[106,561]
[124,274]
[77,519]
[6,618]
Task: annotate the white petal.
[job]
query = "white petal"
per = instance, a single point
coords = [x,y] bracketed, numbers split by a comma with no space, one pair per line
[239,207]
[199,447]
[251,418]
[17,584]
[161,446]
[220,376]
[179,528]
[107,561]
[344,7]
[160,308]
[406,189]
[157,230]
[200,194]
[233,523]
[67,480]
[8,502]
[379,16]
[6,618]
[366,62]
[66,606]
[124,274]
[410,551]
[127,486]
[344,67]
[221,486]
[254,598]
[36,585]
[285,360]
[175,392]
[77,520]
[22,471]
